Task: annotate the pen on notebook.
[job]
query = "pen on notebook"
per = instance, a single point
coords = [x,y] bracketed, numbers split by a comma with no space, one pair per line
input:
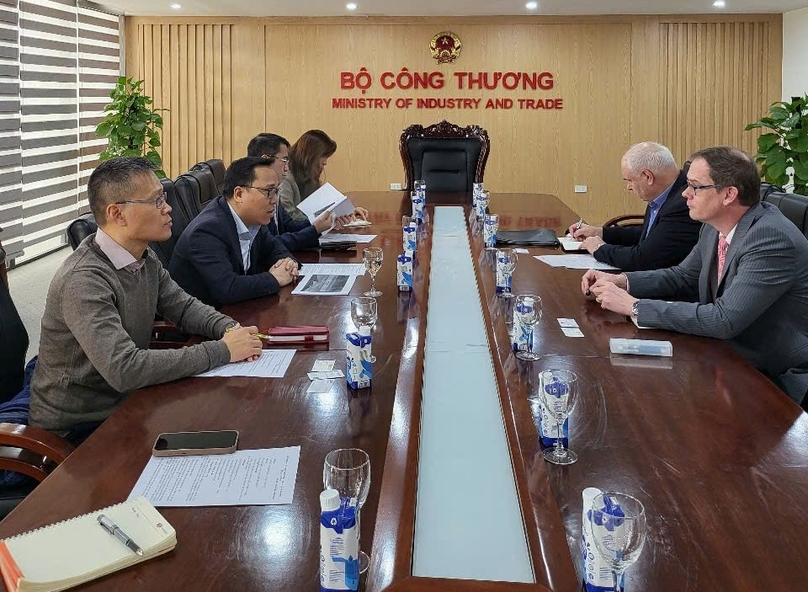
[261,335]
[116,531]
[580,223]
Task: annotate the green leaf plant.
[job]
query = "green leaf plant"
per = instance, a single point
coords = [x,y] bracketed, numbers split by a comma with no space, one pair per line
[131,125]
[786,145]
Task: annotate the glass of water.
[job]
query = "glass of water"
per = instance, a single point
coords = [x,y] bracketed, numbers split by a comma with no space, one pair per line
[373,257]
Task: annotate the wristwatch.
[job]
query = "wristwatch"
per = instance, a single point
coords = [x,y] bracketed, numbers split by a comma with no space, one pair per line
[634,309]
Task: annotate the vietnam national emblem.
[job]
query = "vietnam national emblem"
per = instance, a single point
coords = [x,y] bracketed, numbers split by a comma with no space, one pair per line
[445,47]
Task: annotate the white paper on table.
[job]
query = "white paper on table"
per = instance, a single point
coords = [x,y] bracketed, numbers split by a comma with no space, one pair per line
[318,284]
[319,386]
[570,244]
[323,365]
[567,322]
[572,331]
[272,363]
[332,269]
[575,262]
[326,199]
[341,237]
[325,375]
[243,478]
[521,251]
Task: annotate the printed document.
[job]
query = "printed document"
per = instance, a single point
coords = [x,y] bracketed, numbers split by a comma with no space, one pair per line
[326,199]
[570,244]
[318,284]
[575,262]
[333,269]
[271,364]
[339,237]
[243,478]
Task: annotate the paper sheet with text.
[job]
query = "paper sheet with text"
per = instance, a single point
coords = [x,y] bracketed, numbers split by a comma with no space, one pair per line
[243,478]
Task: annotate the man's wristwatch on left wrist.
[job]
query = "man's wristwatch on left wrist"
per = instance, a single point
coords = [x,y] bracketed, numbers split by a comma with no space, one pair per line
[635,309]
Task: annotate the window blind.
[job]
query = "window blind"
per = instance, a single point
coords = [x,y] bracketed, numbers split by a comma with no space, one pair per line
[10,156]
[59,60]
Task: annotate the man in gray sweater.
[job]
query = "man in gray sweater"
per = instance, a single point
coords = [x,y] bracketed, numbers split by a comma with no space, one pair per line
[101,306]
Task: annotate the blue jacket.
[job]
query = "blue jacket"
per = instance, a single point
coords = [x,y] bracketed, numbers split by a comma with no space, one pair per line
[296,235]
[207,262]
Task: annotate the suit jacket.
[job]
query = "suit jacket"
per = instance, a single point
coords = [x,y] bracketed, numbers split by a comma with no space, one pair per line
[207,262]
[295,234]
[671,238]
[760,303]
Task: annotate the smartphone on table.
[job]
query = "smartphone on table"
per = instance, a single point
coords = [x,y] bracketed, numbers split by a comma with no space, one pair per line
[193,443]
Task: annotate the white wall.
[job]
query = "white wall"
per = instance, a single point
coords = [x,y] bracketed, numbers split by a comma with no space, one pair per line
[795,54]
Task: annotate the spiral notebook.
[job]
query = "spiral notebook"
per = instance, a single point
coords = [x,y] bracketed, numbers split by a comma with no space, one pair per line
[74,551]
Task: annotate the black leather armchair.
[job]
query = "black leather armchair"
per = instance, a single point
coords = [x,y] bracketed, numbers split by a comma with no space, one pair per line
[80,228]
[793,206]
[194,190]
[216,167]
[448,157]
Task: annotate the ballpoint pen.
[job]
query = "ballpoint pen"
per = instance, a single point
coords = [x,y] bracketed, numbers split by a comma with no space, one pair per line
[580,223]
[116,531]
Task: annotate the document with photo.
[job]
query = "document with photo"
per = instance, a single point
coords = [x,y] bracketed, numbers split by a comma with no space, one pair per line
[325,285]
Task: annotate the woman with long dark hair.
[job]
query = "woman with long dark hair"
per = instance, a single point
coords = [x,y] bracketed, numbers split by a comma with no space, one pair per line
[307,160]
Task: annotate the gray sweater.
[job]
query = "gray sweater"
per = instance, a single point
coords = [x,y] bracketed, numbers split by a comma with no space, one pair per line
[96,330]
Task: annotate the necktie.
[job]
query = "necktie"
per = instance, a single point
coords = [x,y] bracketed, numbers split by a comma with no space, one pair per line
[723,245]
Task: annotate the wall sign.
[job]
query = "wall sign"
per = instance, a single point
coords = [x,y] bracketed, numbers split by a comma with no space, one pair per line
[534,87]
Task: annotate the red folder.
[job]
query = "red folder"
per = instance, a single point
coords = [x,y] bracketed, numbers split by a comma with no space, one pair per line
[298,334]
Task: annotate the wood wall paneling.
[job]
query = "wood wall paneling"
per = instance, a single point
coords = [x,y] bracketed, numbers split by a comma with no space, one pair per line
[686,81]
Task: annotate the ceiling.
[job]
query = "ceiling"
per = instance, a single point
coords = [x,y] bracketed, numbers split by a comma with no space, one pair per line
[432,8]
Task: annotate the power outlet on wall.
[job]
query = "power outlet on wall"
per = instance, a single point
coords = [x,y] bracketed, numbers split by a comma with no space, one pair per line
[581,189]
[395,186]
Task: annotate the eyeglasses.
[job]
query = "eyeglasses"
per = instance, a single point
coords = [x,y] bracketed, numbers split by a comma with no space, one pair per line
[159,201]
[269,192]
[284,159]
[697,188]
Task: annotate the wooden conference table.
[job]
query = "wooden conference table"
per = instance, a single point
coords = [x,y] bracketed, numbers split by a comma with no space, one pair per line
[717,454]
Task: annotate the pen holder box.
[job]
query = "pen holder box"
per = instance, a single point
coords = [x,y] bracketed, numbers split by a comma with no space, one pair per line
[359,369]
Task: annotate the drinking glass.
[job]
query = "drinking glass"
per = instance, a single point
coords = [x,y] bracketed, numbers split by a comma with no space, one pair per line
[619,529]
[558,394]
[348,471]
[373,257]
[364,313]
[527,310]
[506,265]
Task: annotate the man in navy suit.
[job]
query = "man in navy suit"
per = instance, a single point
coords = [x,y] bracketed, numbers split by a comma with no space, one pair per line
[667,233]
[746,280]
[227,253]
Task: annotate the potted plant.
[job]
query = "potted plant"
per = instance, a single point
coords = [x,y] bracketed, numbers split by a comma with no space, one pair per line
[786,146]
[132,126]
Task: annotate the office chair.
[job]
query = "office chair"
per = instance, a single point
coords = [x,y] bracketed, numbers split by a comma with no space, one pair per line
[793,206]
[80,228]
[448,157]
[194,190]
[217,169]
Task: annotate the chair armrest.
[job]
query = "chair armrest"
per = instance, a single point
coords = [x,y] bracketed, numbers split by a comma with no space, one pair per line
[31,451]
[626,220]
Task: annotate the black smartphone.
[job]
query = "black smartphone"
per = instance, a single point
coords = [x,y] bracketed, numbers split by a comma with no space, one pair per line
[190,443]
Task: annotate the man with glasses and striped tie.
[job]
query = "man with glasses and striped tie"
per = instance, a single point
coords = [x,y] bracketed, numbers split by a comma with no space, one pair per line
[101,305]
[746,280]
[228,253]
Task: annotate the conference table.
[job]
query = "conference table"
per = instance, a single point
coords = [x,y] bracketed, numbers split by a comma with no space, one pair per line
[717,454]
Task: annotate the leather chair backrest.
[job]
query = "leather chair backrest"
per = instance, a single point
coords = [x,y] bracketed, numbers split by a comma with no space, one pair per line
[445,164]
[447,157]
[81,228]
[767,188]
[188,192]
[216,167]
[207,185]
[180,221]
[793,206]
